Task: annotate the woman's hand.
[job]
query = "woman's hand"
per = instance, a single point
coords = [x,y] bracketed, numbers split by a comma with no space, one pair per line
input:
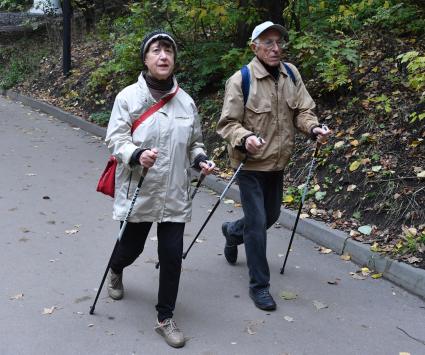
[148,157]
[207,167]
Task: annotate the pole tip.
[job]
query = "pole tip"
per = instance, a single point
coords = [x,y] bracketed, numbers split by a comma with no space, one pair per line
[91,310]
[157,265]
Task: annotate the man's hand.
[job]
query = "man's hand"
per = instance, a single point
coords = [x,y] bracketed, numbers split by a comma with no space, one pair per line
[322,132]
[253,144]
[207,167]
[148,157]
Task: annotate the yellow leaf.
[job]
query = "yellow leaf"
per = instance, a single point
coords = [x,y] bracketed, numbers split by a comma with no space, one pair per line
[354,165]
[345,257]
[338,144]
[374,247]
[288,199]
[377,275]
[354,143]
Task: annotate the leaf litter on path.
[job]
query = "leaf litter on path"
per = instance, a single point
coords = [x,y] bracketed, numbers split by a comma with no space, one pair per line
[252,325]
[319,305]
[288,295]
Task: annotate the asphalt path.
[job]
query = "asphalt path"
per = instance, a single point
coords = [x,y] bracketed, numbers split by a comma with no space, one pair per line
[57,235]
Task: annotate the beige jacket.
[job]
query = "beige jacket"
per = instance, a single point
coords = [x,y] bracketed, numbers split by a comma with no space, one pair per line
[273,110]
[175,130]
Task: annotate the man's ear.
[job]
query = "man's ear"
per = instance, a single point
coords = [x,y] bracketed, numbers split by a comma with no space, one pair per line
[253,47]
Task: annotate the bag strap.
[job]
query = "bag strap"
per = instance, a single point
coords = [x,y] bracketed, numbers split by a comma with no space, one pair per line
[246,82]
[246,79]
[155,107]
[290,72]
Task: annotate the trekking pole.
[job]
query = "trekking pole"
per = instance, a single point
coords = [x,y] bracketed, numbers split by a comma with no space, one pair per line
[122,229]
[201,178]
[216,205]
[214,208]
[316,152]
[198,184]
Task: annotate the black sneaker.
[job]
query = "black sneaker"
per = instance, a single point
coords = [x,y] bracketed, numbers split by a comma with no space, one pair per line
[262,299]
[231,248]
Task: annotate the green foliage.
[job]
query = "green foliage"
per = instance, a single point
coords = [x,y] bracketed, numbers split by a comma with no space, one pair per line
[332,60]
[204,32]
[15,5]
[415,69]
[15,67]
[101,118]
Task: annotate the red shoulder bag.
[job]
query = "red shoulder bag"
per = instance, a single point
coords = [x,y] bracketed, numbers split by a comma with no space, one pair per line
[106,184]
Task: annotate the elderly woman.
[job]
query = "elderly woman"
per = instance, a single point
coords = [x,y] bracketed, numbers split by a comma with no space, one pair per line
[168,142]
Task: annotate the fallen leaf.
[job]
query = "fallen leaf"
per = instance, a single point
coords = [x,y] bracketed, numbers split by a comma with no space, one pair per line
[366,230]
[49,310]
[238,205]
[287,295]
[228,201]
[365,271]
[333,282]
[339,144]
[288,199]
[413,259]
[304,215]
[376,168]
[354,165]
[376,276]
[319,305]
[31,174]
[421,174]
[356,276]
[90,325]
[354,143]
[323,250]
[345,257]
[19,296]
[71,231]
[351,187]
[250,328]
[288,318]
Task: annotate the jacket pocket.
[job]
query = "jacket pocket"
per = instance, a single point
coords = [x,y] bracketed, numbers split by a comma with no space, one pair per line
[258,118]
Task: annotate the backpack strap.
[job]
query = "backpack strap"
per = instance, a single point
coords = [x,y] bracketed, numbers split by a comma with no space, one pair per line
[246,79]
[246,82]
[290,73]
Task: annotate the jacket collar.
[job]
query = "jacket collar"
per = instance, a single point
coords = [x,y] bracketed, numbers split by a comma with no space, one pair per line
[260,72]
[144,86]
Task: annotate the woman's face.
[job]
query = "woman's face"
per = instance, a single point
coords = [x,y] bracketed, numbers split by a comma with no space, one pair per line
[160,60]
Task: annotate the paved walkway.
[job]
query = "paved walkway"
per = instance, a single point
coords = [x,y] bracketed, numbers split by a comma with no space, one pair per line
[57,235]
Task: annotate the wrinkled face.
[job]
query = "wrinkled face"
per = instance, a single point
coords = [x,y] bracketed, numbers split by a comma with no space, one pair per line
[268,47]
[159,59]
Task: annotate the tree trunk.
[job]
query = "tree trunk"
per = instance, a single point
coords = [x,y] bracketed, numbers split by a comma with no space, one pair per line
[267,11]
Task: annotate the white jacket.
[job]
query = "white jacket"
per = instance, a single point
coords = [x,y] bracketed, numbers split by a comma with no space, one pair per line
[175,131]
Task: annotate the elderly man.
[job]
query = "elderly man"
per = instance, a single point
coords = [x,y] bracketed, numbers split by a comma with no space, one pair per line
[262,108]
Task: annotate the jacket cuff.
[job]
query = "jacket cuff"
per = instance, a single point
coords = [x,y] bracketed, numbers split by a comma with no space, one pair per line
[313,136]
[242,147]
[134,160]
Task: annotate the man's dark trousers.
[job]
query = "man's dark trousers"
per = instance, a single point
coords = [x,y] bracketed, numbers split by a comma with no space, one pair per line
[261,197]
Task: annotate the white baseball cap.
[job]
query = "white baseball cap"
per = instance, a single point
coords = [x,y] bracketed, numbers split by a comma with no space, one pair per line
[258,30]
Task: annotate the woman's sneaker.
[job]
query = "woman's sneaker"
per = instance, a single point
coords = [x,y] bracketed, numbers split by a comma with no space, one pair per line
[115,286]
[171,333]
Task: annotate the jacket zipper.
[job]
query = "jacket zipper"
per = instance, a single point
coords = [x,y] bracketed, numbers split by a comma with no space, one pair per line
[276,85]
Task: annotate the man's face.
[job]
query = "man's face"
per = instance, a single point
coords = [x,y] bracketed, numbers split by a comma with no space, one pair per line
[268,47]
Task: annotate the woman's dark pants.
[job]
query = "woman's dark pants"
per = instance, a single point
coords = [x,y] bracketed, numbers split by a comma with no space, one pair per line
[170,250]
[261,197]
